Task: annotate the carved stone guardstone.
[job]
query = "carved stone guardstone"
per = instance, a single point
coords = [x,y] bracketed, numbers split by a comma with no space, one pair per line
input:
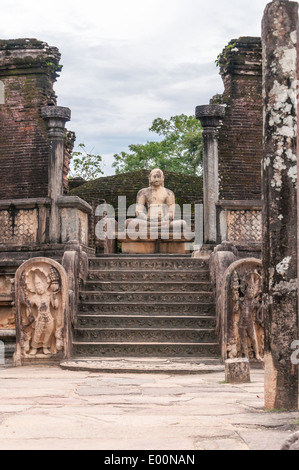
[41,311]
[221,258]
[241,322]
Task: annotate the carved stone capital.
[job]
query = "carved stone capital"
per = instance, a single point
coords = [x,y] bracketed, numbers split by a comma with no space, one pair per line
[56,112]
[210,116]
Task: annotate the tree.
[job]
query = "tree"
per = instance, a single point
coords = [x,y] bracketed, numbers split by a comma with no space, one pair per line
[180,150]
[86,165]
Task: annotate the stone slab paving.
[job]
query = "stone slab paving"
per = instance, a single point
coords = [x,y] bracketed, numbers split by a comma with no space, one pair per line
[45,407]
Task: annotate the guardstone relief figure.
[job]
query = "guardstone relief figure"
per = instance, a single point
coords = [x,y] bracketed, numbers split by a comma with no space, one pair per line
[41,305]
[43,299]
[247,309]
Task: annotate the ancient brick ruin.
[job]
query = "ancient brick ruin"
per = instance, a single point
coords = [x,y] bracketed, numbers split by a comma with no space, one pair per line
[28,69]
[240,137]
[239,130]
[234,295]
[37,218]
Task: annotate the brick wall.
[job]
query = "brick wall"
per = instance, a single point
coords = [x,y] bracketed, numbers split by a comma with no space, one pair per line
[240,140]
[28,69]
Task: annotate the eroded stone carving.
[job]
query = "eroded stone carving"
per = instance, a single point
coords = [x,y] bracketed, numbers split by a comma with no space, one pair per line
[147,264]
[242,328]
[41,307]
[244,226]
[18,226]
[247,307]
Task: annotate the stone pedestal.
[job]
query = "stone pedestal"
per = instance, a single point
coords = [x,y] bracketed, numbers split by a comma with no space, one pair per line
[151,246]
[237,371]
[210,117]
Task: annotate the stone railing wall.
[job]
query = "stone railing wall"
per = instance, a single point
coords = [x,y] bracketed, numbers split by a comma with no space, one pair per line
[240,222]
[25,222]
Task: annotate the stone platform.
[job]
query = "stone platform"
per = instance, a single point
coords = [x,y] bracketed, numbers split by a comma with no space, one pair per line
[142,243]
[144,365]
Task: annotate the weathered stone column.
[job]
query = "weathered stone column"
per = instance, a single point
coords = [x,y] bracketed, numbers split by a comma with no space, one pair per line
[210,117]
[56,117]
[279,191]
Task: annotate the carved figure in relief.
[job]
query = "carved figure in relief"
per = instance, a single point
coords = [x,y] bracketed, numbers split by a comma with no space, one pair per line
[249,307]
[155,206]
[41,300]
[42,311]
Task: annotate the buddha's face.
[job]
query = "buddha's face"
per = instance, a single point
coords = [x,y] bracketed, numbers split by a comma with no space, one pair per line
[156,178]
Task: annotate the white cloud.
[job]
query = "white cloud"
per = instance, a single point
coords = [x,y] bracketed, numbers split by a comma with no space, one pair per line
[128,62]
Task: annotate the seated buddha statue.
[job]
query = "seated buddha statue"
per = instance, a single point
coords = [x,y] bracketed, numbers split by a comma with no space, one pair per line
[155,207]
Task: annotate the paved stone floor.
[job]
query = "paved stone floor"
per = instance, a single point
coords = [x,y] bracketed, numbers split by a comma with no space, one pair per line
[50,408]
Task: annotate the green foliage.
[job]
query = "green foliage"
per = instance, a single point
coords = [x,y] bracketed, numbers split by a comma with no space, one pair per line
[223,58]
[86,165]
[179,151]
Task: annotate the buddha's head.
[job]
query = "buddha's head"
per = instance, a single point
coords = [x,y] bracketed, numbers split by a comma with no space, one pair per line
[156,178]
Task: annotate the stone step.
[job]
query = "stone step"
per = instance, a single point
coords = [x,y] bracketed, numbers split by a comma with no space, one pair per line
[146,298]
[149,264]
[142,276]
[153,365]
[141,321]
[147,335]
[144,286]
[8,338]
[141,308]
[88,349]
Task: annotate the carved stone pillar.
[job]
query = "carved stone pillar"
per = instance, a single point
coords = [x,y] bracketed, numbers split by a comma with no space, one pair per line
[279,189]
[56,117]
[210,117]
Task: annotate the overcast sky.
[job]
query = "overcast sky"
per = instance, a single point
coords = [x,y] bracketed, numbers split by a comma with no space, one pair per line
[126,62]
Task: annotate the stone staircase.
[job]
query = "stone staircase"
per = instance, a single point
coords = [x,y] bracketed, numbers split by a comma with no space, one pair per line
[146,306]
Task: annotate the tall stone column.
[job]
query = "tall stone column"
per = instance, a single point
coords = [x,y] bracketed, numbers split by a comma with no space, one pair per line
[210,117]
[56,117]
[279,192]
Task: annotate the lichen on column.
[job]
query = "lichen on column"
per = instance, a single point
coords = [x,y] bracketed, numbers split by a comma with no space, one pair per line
[279,190]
